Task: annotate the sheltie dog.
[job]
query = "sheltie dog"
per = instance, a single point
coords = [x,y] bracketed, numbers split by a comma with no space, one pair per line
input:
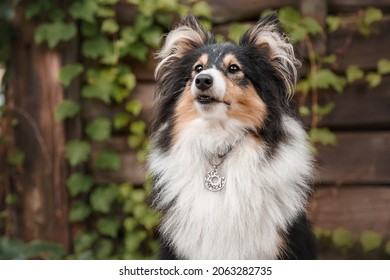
[230,163]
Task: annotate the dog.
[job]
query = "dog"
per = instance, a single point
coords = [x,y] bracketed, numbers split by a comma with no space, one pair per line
[230,162]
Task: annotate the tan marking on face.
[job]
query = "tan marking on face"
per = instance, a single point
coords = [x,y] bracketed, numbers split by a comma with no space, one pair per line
[245,105]
[185,112]
[201,61]
[229,60]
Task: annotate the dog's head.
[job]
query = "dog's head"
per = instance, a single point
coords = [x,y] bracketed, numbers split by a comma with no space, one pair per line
[250,82]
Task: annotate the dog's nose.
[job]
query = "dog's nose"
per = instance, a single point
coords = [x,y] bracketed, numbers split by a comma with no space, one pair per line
[203,81]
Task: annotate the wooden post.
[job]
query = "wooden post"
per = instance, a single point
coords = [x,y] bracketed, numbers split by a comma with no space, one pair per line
[34,92]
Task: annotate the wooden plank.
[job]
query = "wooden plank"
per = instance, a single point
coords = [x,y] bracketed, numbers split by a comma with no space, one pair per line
[228,11]
[353,48]
[223,11]
[360,107]
[358,158]
[355,208]
[355,5]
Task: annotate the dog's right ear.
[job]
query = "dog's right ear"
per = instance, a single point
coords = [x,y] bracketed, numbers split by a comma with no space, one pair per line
[188,35]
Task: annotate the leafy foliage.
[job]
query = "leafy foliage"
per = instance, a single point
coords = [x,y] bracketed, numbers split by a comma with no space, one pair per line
[77,152]
[116,220]
[15,249]
[66,109]
[342,243]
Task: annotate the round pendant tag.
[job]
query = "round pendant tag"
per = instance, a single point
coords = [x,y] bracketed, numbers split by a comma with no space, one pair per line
[213,182]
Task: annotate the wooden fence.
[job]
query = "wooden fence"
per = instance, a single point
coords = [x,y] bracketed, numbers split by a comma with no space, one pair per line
[353,182]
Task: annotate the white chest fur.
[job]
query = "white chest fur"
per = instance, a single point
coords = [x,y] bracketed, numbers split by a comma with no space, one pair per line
[244,220]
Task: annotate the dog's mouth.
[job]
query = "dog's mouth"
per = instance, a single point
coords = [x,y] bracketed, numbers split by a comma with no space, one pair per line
[205,99]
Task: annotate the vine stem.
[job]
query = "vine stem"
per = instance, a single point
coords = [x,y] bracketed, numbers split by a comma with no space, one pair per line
[38,135]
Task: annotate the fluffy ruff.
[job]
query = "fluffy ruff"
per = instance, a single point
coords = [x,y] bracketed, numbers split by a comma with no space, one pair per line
[211,97]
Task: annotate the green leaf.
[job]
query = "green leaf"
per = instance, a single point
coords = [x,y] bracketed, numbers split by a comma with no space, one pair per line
[236,30]
[16,158]
[69,72]
[373,79]
[37,7]
[354,73]
[150,221]
[304,111]
[370,240]
[84,10]
[140,210]
[105,12]
[130,224]
[342,238]
[53,33]
[12,199]
[128,80]
[325,79]
[77,151]
[97,47]
[152,36]
[108,160]
[202,9]
[329,59]
[139,51]
[134,107]
[103,249]
[325,109]
[79,212]
[89,29]
[108,226]
[383,66]
[129,35]
[102,198]
[99,129]
[138,128]
[107,2]
[110,26]
[45,250]
[312,26]
[297,33]
[165,19]
[78,183]
[134,141]
[84,240]
[142,22]
[289,15]
[333,23]
[138,195]
[121,120]
[66,109]
[372,15]
[323,136]
[101,90]
[387,247]
[12,249]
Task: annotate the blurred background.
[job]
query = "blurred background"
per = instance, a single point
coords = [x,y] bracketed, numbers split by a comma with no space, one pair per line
[76,97]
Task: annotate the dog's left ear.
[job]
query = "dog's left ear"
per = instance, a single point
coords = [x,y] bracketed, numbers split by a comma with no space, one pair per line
[267,34]
[187,36]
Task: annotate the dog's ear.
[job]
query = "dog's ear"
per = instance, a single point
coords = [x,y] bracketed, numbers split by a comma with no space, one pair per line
[267,34]
[188,35]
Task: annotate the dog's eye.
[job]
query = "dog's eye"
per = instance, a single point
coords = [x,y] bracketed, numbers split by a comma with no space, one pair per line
[198,68]
[233,68]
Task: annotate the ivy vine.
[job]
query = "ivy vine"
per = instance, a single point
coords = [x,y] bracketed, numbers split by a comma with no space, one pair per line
[116,221]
